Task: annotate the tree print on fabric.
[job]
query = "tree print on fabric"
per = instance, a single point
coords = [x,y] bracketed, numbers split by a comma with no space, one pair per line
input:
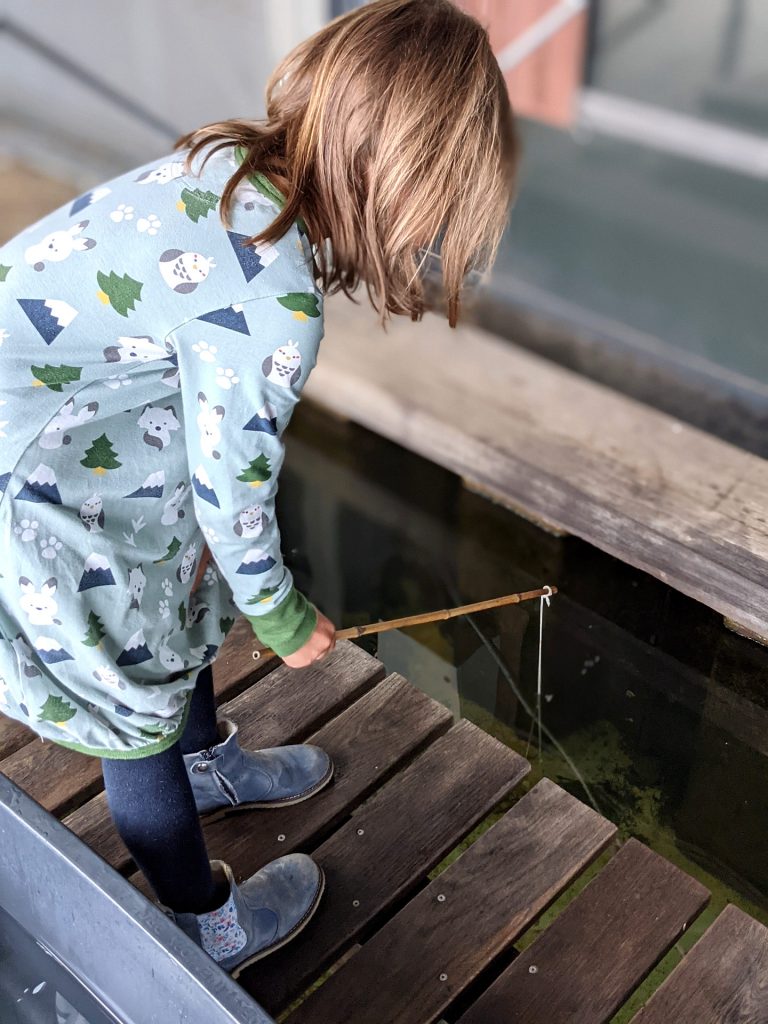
[101,456]
[54,377]
[263,595]
[173,550]
[95,631]
[196,203]
[152,731]
[144,389]
[302,304]
[257,471]
[121,293]
[56,710]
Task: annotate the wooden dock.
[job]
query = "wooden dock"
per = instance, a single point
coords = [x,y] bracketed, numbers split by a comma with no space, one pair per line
[409,785]
[561,450]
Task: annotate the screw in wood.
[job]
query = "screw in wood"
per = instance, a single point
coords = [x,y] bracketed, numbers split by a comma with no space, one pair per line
[441,897]
[533,969]
[355,903]
[281,838]
[361,831]
[443,977]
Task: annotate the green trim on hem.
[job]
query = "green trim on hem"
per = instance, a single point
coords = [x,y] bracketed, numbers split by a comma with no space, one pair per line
[125,755]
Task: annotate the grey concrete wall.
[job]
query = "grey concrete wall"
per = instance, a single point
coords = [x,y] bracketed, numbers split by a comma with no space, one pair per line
[186,61]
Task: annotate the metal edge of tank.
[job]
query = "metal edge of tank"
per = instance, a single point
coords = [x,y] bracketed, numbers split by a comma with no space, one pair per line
[131,957]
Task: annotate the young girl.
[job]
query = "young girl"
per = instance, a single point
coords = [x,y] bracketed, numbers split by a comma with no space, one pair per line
[157,333]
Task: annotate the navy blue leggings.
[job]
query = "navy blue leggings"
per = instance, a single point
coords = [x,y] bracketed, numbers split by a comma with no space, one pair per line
[153,808]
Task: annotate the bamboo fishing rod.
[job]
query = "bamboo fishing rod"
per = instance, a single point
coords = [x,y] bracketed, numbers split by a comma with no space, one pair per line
[415,620]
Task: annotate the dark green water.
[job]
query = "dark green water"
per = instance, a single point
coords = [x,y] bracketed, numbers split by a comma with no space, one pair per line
[653,712]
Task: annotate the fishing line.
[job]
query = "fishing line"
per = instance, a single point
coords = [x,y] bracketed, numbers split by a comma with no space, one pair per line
[526,707]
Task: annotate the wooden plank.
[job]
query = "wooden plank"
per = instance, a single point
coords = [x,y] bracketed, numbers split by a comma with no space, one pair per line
[663,496]
[380,730]
[374,737]
[62,779]
[600,948]
[13,736]
[722,980]
[469,914]
[386,848]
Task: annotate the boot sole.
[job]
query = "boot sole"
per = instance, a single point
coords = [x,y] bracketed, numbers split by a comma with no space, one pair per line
[221,812]
[235,971]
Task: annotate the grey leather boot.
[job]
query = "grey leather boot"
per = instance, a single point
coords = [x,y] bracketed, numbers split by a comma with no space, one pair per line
[260,915]
[226,777]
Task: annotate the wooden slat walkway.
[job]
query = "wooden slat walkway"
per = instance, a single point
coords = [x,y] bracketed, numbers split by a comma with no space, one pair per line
[409,785]
[656,493]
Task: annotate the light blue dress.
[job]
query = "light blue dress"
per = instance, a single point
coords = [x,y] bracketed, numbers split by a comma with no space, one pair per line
[149,364]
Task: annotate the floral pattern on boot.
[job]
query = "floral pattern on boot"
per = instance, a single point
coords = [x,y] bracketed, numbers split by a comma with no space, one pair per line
[220,933]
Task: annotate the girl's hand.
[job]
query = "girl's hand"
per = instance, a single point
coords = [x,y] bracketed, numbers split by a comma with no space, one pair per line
[320,644]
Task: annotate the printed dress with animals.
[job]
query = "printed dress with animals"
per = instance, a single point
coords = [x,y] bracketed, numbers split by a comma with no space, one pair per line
[149,364]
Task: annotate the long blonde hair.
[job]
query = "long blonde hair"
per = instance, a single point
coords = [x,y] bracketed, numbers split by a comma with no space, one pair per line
[391,128]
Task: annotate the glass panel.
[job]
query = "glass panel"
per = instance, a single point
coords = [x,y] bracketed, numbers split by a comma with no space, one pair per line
[705,58]
[642,239]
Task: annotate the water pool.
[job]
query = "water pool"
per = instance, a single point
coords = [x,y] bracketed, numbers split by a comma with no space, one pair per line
[652,710]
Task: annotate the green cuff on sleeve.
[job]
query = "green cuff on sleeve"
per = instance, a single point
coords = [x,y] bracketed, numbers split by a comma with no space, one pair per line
[288,626]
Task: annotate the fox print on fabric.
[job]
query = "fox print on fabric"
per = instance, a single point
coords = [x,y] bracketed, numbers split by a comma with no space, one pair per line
[150,361]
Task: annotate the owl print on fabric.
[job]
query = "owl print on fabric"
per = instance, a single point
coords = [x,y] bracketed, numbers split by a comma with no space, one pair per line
[150,360]
[283,366]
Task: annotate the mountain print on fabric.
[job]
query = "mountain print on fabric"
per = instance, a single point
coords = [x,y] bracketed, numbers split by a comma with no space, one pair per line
[255,561]
[152,487]
[4,478]
[51,651]
[265,419]
[96,573]
[49,317]
[88,199]
[203,486]
[252,258]
[40,485]
[231,317]
[135,650]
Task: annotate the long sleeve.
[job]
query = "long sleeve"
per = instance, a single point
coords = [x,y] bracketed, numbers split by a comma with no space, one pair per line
[241,372]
